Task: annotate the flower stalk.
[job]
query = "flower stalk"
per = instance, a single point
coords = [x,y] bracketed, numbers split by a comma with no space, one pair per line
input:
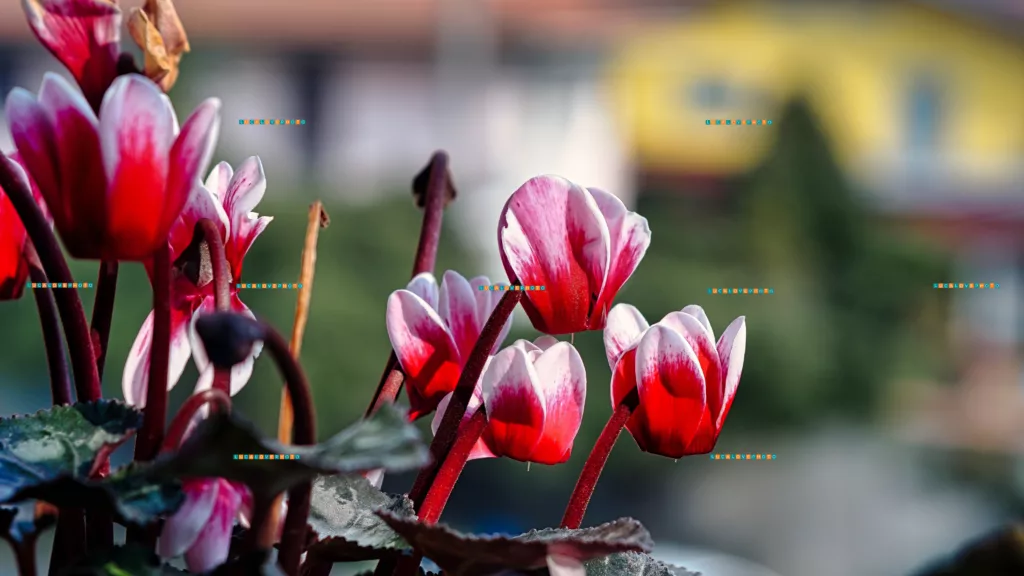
[450,470]
[60,379]
[155,414]
[596,461]
[209,236]
[179,426]
[103,312]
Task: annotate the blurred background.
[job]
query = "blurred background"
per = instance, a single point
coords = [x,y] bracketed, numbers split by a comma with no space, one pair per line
[894,161]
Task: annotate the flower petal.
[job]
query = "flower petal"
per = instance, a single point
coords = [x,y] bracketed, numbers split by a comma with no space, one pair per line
[564,565]
[544,342]
[562,382]
[136,133]
[457,307]
[480,449]
[35,137]
[84,35]
[182,529]
[136,370]
[732,347]
[552,234]
[241,372]
[701,316]
[218,179]
[515,407]
[211,548]
[623,330]
[701,342]
[671,388]
[375,477]
[630,236]
[243,193]
[201,204]
[486,302]
[426,351]
[13,265]
[190,156]
[424,285]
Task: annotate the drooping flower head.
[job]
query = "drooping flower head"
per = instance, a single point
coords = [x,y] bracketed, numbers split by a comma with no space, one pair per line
[227,199]
[534,394]
[686,382]
[434,330]
[580,244]
[114,184]
[201,528]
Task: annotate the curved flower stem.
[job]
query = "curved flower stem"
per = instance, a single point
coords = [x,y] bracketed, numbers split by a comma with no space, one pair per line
[69,305]
[433,189]
[103,312]
[450,470]
[592,468]
[176,432]
[60,380]
[448,431]
[293,538]
[24,555]
[155,414]
[210,234]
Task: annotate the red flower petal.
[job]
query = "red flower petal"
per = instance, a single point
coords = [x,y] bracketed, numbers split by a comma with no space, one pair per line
[701,342]
[457,307]
[201,204]
[182,529]
[552,234]
[189,158]
[623,330]
[732,347]
[36,139]
[244,192]
[425,349]
[211,548]
[562,382]
[630,236]
[480,449]
[13,266]
[515,408]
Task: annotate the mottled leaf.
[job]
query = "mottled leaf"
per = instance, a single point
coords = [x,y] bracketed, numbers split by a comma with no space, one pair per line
[20,524]
[131,560]
[385,440]
[62,442]
[466,555]
[633,564]
[342,515]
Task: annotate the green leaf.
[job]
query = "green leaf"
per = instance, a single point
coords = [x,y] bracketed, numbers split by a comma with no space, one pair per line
[131,560]
[342,514]
[466,555]
[633,564]
[61,442]
[385,440]
[19,524]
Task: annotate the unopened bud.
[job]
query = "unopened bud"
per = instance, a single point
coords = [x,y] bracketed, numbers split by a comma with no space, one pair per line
[228,337]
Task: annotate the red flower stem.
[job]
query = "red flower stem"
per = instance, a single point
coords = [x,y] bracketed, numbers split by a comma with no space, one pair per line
[448,431]
[60,379]
[293,539]
[436,197]
[24,555]
[594,465]
[450,470]
[103,312]
[69,305]
[176,432]
[221,285]
[155,414]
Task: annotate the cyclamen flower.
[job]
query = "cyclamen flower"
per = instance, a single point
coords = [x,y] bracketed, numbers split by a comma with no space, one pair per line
[201,528]
[580,244]
[227,199]
[115,184]
[534,394]
[685,381]
[14,239]
[433,332]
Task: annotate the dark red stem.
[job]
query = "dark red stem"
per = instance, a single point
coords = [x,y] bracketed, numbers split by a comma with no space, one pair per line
[450,470]
[176,432]
[389,386]
[594,465]
[24,555]
[69,305]
[147,445]
[293,539]
[69,544]
[448,431]
[60,379]
[103,312]
[221,285]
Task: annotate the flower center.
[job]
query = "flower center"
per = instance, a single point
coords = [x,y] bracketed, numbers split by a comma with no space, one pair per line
[195,263]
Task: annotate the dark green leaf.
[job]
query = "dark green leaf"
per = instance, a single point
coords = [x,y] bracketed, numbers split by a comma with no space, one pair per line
[465,555]
[61,442]
[385,440]
[342,514]
[19,524]
[633,564]
[131,493]
[128,560]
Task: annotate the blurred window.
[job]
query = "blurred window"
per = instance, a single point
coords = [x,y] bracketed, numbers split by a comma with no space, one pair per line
[712,94]
[924,113]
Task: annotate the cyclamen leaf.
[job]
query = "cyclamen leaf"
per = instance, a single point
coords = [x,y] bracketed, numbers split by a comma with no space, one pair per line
[62,442]
[19,524]
[342,515]
[467,555]
[633,564]
[385,440]
[131,560]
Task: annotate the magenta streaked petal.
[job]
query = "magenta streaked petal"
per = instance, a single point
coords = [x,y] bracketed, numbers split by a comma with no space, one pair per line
[211,548]
[36,140]
[78,145]
[622,331]
[515,407]
[552,234]
[562,382]
[480,449]
[630,236]
[701,316]
[457,307]
[190,156]
[218,179]
[702,344]
[732,347]
[425,286]
[136,369]
[181,530]
[241,240]
[201,204]
[244,192]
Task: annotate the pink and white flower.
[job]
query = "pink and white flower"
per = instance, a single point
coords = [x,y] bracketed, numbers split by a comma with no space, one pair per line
[201,528]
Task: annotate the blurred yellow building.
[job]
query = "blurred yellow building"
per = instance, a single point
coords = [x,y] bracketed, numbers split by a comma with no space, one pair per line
[892,82]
